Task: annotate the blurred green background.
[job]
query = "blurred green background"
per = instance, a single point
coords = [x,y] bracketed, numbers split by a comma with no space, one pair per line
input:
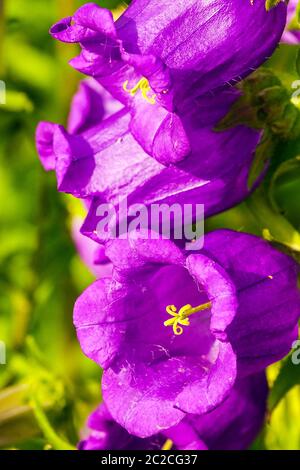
[47,387]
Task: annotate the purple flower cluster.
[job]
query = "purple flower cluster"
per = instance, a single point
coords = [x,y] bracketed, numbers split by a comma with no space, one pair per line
[153,377]
[183,337]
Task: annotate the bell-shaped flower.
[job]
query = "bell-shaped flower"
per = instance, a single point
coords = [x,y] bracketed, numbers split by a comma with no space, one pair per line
[174,329]
[160,55]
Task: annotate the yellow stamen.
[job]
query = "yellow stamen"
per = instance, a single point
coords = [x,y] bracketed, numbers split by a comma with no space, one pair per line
[167,445]
[181,317]
[145,88]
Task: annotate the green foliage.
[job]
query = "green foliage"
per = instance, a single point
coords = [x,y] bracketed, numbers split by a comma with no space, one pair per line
[287,378]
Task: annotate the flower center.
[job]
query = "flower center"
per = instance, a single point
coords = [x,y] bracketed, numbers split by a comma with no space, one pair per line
[145,88]
[182,317]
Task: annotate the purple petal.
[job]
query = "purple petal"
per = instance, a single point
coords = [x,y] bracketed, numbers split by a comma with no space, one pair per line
[236,422]
[107,162]
[89,22]
[90,105]
[146,399]
[220,290]
[183,36]
[166,139]
[128,255]
[91,253]
[44,143]
[106,434]
[269,301]
[97,327]
[231,426]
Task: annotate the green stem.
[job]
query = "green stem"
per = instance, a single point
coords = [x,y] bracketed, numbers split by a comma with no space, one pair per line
[275,227]
[54,440]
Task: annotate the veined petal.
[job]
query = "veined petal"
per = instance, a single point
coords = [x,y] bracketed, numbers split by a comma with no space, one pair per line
[235,423]
[166,139]
[265,325]
[157,397]
[44,143]
[198,39]
[90,22]
[185,49]
[90,105]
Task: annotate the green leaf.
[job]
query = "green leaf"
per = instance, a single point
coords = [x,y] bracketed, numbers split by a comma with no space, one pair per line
[49,432]
[263,153]
[242,112]
[245,109]
[29,64]
[278,113]
[265,103]
[17,101]
[16,419]
[288,377]
[274,226]
[289,167]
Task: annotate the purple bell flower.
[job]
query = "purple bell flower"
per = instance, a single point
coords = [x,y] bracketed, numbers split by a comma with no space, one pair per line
[231,426]
[100,160]
[173,331]
[160,55]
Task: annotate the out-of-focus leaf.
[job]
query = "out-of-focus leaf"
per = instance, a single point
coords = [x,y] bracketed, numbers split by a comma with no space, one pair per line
[29,64]
[50,434]
[284,189]
[16,419]
[245,109]
[265,103]
[263,154]
[239,218]
[282,431]
[298,63]
[17,101]
[274,226]
[17,416]
[288,377]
